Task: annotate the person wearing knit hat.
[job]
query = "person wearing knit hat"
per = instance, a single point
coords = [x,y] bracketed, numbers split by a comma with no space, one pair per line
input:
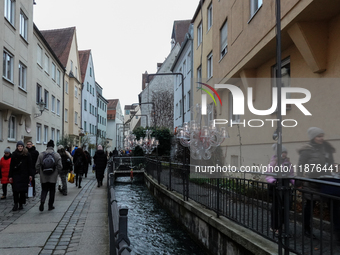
[50,143]
[316,152]
[5,163]
[20,174]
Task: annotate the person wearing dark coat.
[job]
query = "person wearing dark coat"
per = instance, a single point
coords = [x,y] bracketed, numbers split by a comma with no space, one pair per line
[317,152]
[89,162]
[20,174]
[34,156]
[100,161]
[80,165]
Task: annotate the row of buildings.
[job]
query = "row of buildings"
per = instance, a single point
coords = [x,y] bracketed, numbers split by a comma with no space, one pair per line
[48,87]
[234,42]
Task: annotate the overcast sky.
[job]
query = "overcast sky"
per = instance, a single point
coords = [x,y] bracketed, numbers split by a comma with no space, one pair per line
[127,37]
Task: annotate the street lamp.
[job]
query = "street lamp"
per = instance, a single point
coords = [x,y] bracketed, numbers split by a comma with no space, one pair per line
[41,106]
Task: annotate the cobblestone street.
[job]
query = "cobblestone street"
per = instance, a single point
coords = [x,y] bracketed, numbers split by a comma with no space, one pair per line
[77,225]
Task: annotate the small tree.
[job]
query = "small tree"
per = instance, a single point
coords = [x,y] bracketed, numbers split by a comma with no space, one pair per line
[65,141]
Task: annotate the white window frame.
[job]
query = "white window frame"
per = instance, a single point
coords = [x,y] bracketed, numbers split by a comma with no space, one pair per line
[58,77]
[8,71]
[23,25]
[39,55]
[76,91]
[224,39]
[22,83]
[210,66]
[209,17]
[53,104]
[199,34]
[85,105]
[66,115]
[10,11]
[66,87]
[38,133]
[11,128]
[45,134]
[39,93]
[53,134]
[53,72]
[58,107]
[254,6]
[199,74]
[46,98]
[46,63]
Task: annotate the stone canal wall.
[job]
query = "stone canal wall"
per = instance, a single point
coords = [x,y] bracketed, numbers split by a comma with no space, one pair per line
[218,235]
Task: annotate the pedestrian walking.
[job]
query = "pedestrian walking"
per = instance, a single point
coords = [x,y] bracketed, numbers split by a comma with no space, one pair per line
[80,164]
[66,161]
[5,162]
[89,162]
[277,204]
[34,156]
[100,161]
[20,174]
[317,152]
[74,150]
[49,166]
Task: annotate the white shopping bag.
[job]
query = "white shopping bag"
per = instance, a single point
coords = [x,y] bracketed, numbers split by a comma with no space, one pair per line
[30,190]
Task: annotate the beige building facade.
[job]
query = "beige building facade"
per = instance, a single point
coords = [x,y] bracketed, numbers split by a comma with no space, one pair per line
[244,54]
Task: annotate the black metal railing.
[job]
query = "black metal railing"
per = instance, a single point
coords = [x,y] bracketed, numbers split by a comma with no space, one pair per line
[259,206]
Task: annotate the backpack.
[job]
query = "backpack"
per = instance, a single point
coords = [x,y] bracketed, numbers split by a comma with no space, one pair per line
[48,163]
[66,161]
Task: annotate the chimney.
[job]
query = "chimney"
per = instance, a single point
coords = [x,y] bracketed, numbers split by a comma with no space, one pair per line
[144,76]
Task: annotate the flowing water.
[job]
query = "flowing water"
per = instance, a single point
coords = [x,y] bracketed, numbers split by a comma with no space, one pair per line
[151,229]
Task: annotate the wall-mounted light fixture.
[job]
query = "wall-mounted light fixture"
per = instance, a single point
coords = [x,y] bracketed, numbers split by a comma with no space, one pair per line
[41,106]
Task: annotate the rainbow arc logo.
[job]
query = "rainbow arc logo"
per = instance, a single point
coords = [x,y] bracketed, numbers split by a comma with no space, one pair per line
[204,97]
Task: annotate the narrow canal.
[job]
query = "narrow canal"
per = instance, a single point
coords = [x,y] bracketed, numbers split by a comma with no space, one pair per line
[150,228]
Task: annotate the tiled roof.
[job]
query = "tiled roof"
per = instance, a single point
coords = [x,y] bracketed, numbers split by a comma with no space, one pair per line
[111,114]
[112,104]
[84,56]
[180,28]
[60,41]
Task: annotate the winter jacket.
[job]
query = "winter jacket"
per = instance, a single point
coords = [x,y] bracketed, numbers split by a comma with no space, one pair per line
[20,170]
[100,160]
[4,166]
[34,155]
[318,154]
[80,169]
[51,178]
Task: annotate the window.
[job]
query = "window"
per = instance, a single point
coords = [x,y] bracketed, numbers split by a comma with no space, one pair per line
[23,25]
[58,77]
[234,118]
[71,66]
[66,87]
[58,107]
[90,89]
[88,86]
[76,118]
[8,66]
[90,108]
[199,73]
[85,104]
[46,63]
[210,65]
[189,61]
[90,71]
[176,111]
[53,74]
[39,93]
[45,134]
[38,133]
[210,18]
[39,55]
[76,91]
[53,104]
[46,95]
[188,101]
[66,111]
[11,128]
[224,39]
[254,6]
[58,134]
[184,68]
[85,124]
[53,134]
[90,128]
[9,11]
[22,76]
[199,34]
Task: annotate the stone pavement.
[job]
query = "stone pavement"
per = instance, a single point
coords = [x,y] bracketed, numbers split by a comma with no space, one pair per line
[77,225]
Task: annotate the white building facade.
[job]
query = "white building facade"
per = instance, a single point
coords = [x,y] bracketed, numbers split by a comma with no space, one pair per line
[101,114]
